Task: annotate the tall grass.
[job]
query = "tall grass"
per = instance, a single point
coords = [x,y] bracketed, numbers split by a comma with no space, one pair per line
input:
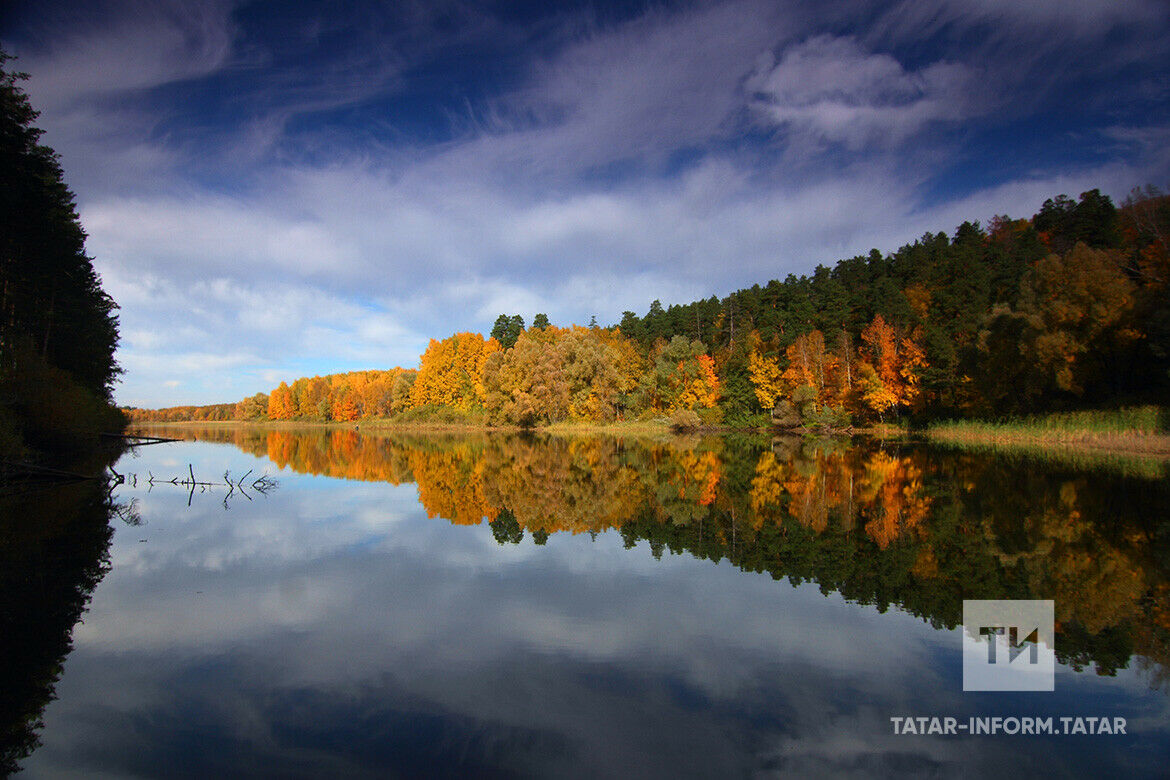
[1132,429]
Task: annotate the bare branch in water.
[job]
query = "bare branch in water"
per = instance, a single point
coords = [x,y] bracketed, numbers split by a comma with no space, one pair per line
[263,484]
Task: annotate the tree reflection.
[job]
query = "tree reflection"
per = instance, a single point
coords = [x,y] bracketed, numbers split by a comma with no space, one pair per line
[54,547]
[913,527]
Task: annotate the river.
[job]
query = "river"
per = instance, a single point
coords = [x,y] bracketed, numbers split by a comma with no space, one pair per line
[498,605]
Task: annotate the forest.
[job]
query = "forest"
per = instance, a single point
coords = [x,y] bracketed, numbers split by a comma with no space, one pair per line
[1068,309]
[58,327]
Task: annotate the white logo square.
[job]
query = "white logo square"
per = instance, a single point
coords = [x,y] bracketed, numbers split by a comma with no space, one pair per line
[1008,645]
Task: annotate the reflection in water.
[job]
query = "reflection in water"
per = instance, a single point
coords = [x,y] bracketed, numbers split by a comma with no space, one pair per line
[53,547]
[336,628]
[911,526]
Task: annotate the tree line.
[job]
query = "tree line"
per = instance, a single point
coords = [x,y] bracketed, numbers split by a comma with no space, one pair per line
[58,327]
[1066,309]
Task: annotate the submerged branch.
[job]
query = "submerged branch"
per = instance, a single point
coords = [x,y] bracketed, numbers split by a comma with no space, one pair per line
[263,484]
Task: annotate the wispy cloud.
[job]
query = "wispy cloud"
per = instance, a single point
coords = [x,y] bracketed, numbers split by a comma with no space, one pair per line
[115,47]
[326,191]
[829,89]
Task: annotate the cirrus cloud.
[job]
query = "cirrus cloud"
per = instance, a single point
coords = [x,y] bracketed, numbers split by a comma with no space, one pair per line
[316,191]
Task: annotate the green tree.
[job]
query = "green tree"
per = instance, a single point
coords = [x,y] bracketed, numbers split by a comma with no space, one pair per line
[507,329]
[655,322]
[632,327]
[50,296]
[1093,221]
[505,529]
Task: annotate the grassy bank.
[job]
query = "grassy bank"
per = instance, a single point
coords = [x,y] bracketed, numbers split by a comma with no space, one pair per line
[50,419]
[456,423]
[1139,430]
[659,427]
[631,427]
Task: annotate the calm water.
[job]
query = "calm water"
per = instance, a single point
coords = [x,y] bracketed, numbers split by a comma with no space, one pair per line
[524,606]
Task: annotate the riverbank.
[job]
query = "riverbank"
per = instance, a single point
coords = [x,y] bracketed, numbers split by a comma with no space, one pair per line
[655,427]
[1136,431]
[632,427]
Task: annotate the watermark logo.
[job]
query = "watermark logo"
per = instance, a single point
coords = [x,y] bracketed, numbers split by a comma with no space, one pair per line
[1008,645]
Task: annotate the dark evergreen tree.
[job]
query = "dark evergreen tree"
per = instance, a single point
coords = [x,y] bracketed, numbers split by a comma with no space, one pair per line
[655,323]
[632,327]
[1092,220]
[507,329]
[58,328]
[51,300]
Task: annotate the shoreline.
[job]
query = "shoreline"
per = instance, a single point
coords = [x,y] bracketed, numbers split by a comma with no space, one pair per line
[628,428]
[1005,437]
[633,427]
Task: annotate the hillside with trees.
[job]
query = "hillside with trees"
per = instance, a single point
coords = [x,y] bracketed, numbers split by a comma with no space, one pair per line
[1068,309]
[58,328]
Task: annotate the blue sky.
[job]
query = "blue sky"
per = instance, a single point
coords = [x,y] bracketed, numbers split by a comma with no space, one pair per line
[277,189]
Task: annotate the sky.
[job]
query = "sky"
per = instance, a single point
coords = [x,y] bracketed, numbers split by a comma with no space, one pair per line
[283,189]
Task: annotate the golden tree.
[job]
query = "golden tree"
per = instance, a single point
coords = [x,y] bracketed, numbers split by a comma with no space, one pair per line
[280,403]
[451,371]
[767,379]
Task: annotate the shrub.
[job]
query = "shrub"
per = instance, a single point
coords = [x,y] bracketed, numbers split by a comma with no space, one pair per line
[683,420]
[711,415]
[827,418]
[50,411]
[784,415]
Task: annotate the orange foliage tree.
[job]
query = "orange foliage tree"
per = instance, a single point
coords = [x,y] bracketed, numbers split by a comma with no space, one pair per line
[889,368]
[280,403]
[683,377]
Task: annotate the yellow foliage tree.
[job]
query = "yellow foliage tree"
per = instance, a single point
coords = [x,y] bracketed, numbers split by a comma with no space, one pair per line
[767,379]
[451,372]
[702,391]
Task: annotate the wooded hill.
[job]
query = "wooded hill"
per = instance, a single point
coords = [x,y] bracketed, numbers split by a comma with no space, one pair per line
[1068,309]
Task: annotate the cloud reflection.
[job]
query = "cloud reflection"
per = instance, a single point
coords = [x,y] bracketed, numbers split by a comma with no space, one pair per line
[333,628]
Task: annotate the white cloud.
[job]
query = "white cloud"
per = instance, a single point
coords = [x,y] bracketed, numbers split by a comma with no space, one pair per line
[1043,56]
[210,234]
[831,89]
[611,172]
[1057,19]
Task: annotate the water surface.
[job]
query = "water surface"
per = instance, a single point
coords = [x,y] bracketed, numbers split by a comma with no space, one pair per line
[500,605]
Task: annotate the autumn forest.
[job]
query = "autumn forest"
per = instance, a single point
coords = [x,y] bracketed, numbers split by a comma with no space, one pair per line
[1065,310]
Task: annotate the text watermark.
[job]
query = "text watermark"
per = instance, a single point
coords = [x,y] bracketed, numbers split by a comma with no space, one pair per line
[1052,725]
